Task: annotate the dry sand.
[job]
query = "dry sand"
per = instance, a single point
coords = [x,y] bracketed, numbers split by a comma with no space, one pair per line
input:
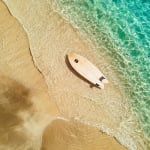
[26,109]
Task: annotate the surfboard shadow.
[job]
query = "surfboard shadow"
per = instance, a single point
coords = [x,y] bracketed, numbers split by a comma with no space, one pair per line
[76,73]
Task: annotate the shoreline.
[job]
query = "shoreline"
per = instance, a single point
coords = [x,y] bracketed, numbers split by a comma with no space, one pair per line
[92,44]
[76,99]
[42,110]
[70,12]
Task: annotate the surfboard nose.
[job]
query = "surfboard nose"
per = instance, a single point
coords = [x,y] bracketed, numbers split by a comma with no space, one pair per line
[71,55]
[73,58]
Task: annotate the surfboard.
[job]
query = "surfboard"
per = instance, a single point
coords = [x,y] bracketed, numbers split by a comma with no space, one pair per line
[87,70]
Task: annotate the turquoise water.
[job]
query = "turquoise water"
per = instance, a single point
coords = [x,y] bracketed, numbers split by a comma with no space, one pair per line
[122,28]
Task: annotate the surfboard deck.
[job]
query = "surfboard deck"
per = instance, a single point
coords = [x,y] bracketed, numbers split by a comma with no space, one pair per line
[87,70]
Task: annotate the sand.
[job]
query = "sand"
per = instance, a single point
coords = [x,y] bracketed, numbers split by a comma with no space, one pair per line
[34,116]
[22,89]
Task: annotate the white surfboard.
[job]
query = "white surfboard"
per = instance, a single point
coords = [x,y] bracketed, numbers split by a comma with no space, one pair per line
[86,69]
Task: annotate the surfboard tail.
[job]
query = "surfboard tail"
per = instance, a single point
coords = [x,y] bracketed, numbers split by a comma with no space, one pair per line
[100,85]
[105,81]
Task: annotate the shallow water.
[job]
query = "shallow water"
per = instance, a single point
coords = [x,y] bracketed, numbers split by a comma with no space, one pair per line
[122,29]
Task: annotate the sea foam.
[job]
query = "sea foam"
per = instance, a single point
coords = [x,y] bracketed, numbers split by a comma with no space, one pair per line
[122,29]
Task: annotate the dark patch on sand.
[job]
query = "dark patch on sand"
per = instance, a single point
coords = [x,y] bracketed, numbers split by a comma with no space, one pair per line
[14,98]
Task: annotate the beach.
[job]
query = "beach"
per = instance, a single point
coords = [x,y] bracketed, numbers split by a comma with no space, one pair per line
[65,112]
[35,108]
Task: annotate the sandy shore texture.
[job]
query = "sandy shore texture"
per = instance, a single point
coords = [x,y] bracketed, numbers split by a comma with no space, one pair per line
[27,110]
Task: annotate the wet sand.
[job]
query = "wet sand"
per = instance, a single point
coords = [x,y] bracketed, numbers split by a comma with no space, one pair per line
[75,136]
[28,110]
